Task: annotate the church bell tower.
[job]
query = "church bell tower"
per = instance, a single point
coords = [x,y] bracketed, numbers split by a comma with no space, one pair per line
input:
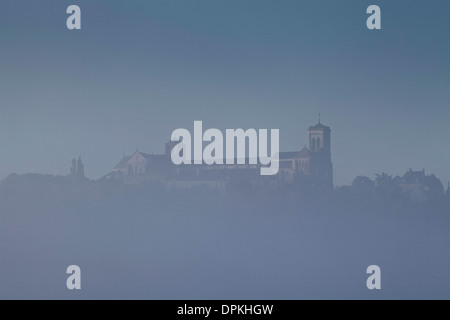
[320,148]
[320,139]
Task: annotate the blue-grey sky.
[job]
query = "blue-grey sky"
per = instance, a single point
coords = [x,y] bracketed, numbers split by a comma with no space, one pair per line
[137,70]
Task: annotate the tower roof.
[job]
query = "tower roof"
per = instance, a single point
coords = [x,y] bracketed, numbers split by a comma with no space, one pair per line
[319,126]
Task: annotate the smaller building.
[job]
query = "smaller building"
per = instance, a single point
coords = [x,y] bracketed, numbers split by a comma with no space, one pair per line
[418,186]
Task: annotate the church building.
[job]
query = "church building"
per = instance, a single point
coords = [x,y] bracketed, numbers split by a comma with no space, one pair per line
[311,167]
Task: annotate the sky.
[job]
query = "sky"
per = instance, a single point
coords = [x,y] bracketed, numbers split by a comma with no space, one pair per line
[137,70]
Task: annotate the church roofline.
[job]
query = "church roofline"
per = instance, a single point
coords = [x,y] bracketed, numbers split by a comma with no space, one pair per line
[318,126]
[122,163]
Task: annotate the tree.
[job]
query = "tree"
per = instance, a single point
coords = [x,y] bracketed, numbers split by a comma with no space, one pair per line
[364,183]
[383,180]
[434,186]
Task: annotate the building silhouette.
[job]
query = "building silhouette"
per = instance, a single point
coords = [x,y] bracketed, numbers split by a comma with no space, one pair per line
[77,169]
[310,167]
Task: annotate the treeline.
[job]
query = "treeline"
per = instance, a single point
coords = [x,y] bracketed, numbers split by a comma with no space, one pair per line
[384,194]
